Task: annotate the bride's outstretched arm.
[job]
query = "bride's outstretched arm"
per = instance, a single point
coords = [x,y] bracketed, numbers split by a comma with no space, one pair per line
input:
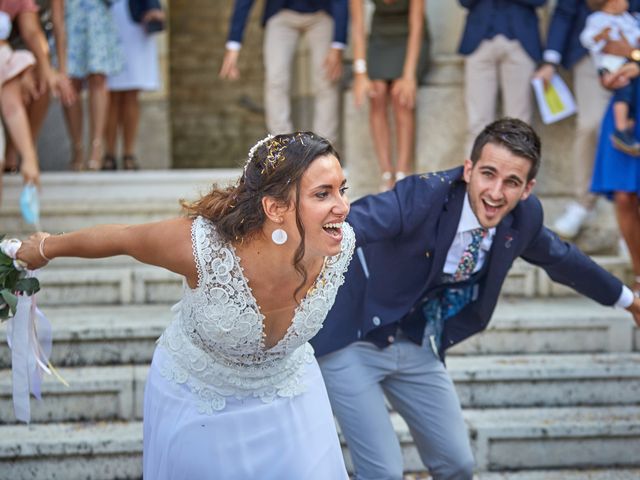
[165,244]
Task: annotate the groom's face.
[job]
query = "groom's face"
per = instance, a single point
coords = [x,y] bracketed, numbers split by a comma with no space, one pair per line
[496,183]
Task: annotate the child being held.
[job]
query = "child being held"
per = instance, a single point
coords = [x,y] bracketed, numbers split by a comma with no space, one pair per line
[612,21]
[12,65]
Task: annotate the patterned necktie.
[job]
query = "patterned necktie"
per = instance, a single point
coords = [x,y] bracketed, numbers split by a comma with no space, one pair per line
[469,257]
[451,299]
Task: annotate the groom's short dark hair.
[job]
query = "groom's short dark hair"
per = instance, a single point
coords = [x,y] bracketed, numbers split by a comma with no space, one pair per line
[516,136]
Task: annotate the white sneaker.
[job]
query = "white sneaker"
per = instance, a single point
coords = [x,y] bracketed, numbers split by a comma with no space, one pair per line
[569,223]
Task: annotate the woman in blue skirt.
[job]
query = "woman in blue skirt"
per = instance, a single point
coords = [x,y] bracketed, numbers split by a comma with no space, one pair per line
[617,176]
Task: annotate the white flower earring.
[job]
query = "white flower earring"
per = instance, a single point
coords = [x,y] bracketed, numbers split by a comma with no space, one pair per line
[279,236]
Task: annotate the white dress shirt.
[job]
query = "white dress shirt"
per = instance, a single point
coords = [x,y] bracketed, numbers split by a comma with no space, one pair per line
[468,222]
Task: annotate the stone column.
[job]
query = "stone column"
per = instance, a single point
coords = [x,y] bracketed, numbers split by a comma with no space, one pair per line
[213,122]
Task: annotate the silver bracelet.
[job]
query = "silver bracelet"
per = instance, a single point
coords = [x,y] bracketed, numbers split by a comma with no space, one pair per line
[41,249]
[360,66]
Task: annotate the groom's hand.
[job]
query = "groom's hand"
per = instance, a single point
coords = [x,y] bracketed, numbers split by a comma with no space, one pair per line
[634,308]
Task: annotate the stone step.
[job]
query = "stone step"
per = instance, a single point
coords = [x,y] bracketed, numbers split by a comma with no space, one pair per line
[572,324]
[118,274]
[124,283]
[116,392]
[71,451]
[99,335]
[555,437]
[583,474]
[510,381]
[544,438]
[502,439]
[72,200]
[122,280]
[94,394]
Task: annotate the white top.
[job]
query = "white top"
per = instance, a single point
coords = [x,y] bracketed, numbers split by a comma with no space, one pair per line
[216,338]
[622,24]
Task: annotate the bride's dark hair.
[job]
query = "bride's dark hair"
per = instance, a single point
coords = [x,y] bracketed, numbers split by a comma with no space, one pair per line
[274,169]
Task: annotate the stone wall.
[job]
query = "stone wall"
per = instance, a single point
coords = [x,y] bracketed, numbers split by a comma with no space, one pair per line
[212,121]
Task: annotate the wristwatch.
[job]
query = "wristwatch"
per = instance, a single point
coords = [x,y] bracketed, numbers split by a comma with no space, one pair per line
[635,55]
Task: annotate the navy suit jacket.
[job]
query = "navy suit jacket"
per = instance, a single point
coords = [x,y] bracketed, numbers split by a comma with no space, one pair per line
[565,27]
[566,24]
[521,18]
[338,9]
[405,235]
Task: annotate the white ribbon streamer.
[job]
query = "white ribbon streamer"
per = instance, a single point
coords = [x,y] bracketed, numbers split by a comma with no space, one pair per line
[29,336]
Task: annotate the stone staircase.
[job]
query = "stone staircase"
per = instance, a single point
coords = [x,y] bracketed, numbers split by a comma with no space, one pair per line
[550,391]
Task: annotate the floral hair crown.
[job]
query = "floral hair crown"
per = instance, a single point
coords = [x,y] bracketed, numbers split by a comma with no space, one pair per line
[274,152]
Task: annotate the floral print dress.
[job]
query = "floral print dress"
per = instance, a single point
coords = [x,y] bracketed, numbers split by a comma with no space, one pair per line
[92,41]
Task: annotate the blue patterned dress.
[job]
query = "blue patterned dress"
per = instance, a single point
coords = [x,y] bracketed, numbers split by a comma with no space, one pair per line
[92,41]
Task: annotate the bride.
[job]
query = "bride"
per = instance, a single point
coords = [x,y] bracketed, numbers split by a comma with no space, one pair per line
[234,391]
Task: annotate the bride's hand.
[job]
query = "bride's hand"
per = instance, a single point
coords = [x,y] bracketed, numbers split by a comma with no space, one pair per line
[31,251]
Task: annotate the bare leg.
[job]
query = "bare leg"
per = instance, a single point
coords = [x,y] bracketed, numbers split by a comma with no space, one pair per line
[98,105]
[621,115]
[113,117]
[36,111]
[380,131]
[17,122]
[628,217]
[73,116]
[405,133]
[130,120]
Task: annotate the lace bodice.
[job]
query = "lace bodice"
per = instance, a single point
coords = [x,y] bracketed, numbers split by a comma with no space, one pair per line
[216,341]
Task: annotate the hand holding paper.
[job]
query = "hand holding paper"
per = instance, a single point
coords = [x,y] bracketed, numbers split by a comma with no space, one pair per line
[555,102]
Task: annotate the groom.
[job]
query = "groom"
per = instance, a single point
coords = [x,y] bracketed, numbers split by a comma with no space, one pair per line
[437,249]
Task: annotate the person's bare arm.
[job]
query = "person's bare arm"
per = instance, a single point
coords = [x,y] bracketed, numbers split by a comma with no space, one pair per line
[634,309]
[165,244]
[67,93]
[59,34]
[361,82]
[404,89]
[33,36]
[620,77]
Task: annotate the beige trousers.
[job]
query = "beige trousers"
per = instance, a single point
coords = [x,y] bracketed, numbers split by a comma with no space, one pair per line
[591,101]
[497,63]
[281,37]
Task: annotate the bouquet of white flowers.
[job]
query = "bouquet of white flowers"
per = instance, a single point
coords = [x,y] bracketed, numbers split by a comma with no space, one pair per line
[14,279]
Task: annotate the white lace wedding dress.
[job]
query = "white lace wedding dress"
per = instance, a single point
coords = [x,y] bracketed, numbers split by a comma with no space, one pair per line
[218,404]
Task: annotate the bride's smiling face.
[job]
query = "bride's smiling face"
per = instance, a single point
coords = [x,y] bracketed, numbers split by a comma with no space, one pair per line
[323,207]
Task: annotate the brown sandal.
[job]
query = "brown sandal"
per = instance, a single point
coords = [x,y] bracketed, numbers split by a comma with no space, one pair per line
[130,162]
[109,162]
[77,161]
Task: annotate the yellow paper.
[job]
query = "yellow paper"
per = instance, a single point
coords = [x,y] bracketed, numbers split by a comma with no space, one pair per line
[553,100]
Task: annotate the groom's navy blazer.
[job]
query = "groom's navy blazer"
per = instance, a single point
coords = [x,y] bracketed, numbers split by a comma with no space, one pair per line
[405,235]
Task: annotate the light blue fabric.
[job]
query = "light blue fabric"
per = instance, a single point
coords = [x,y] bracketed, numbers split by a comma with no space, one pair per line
[415,382]
[92,42]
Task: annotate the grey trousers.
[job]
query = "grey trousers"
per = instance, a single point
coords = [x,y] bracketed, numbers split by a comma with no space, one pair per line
[592,100]
[418,387]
